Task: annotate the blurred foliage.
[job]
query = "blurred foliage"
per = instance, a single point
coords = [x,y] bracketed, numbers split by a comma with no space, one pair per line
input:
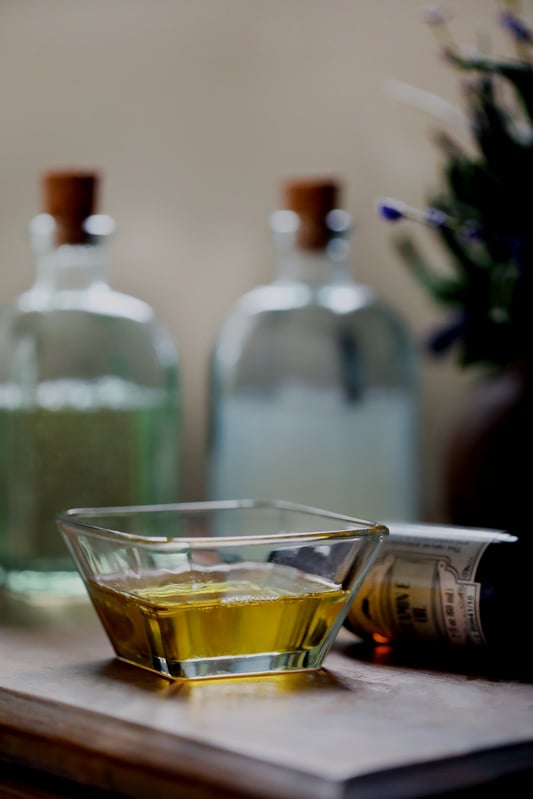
[486,220]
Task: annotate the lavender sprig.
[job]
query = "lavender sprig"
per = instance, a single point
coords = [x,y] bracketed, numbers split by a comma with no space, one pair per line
[481,215]
[520,33]
[437,18]
[392,210]
[516,26]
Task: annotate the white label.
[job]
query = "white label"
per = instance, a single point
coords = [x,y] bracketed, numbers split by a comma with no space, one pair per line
[423,588]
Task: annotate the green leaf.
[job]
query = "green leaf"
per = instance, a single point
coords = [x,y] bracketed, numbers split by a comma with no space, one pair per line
[518,73]
[448,291]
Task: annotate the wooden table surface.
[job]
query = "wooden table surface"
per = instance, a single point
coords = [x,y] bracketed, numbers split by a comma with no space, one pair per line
[370,725]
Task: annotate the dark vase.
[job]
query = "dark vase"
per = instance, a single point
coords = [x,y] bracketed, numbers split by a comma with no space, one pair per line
[487,470]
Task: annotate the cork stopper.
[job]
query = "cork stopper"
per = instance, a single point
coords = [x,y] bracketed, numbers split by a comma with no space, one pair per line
[70,197]
[312,199]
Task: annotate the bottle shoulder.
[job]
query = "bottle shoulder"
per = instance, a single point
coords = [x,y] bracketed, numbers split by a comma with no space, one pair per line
[98,324]
[98,300]
[339,298]
[324,309]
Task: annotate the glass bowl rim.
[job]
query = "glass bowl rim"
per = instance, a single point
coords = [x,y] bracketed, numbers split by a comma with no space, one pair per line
[72,521]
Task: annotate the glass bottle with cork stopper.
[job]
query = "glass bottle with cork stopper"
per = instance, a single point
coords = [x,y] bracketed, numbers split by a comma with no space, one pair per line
[89,397]
[313,379]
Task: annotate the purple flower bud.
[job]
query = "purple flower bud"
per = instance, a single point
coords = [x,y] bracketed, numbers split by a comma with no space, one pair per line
[434,15]
[436,218]
[515,26]
[390,210]
[445,337]
[471,232]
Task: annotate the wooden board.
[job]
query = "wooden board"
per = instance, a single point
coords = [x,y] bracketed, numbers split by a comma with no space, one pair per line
[365,726]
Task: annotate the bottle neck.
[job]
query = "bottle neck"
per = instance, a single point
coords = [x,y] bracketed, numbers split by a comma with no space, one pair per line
[70,266]
[330,262]
[314,268]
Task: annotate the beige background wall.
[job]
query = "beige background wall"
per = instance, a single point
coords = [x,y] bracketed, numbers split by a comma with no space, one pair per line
[195,110]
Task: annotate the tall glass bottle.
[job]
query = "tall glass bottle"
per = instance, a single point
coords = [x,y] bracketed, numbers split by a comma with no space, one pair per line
[89,396]
[313,380]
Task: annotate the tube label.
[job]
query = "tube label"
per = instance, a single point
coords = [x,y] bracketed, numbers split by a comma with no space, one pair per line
[422,587]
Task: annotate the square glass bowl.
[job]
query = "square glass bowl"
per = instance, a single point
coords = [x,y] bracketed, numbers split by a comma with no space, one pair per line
[219,589]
